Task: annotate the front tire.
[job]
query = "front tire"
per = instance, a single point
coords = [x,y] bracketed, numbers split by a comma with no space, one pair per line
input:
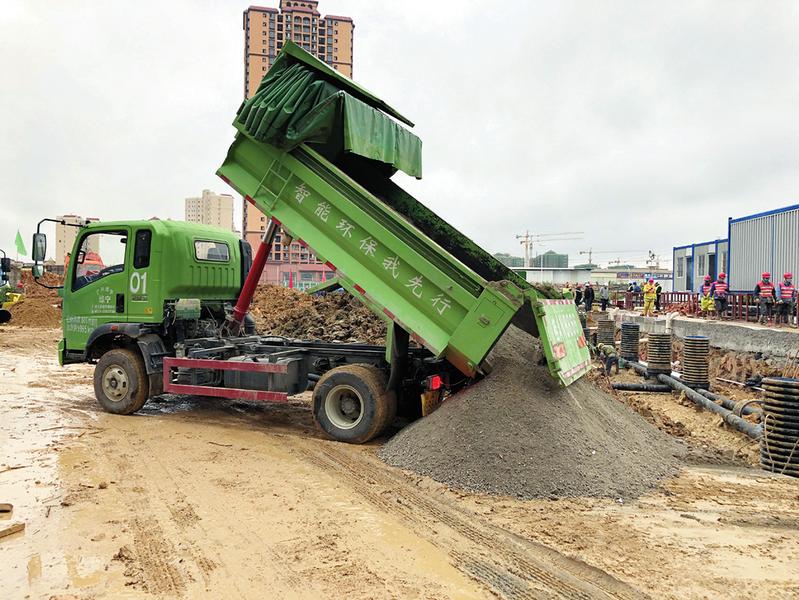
[352,404]
[121,384]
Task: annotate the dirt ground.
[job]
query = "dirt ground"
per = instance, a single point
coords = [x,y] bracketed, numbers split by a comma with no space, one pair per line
[200,498]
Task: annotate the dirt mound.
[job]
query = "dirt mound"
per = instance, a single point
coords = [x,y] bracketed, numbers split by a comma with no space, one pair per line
[335,316]
[31,289]
[35,312]
[518,433]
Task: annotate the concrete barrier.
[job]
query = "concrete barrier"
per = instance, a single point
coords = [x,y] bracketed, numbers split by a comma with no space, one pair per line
[741,337]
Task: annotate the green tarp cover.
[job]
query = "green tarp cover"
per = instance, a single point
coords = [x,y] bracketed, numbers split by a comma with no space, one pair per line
[298,103]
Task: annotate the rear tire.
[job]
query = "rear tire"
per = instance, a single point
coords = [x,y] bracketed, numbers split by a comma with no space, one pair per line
[352,404]
[121,384]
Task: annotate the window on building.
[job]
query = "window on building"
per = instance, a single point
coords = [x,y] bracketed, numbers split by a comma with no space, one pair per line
[681,266]
[701,263]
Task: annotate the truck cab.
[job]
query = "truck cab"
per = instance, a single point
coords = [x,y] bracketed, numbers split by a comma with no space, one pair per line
[125,284]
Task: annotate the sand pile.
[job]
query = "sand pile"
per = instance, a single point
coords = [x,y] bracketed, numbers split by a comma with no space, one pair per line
[518,433]
[35,312]
[332,317]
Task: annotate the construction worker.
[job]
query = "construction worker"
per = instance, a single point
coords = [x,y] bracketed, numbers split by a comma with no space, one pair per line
[718,291]
[604,296]
[765,298]
[650,295]
[578,295]
[588,297]
[658,292]
[706,304]
[786,299]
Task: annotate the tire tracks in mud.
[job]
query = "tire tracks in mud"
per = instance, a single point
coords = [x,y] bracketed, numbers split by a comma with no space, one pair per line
[508,565]
[174,517]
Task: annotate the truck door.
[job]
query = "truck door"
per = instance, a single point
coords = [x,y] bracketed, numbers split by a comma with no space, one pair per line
[96,285]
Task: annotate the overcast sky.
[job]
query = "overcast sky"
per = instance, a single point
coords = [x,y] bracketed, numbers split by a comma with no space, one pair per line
[643,124]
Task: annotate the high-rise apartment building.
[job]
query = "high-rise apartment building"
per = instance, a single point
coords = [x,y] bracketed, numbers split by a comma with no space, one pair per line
[211,209]
[65,236]
[330,39]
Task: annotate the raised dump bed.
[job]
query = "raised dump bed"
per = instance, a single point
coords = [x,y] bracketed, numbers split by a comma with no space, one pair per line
[314,152]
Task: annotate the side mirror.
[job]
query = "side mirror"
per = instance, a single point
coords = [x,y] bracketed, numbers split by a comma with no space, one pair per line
[37,271]
[5,265]
[39,247]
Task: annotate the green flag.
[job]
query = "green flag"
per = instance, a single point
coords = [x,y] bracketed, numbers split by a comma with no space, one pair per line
[21,245]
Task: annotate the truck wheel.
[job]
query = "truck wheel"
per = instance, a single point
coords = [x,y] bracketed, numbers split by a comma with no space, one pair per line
[351,403]
[120,381]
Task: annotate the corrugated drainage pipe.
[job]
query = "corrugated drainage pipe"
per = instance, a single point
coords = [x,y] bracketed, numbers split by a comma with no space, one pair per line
[742,425]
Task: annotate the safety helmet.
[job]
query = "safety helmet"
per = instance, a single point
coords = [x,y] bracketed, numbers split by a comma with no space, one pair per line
[788,276]
[651,280]
[766,275]
[708,278]
[722,275]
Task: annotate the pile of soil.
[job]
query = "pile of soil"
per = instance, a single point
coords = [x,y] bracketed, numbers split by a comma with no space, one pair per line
[518,433]
[333,317]
[35,312]
[31,289]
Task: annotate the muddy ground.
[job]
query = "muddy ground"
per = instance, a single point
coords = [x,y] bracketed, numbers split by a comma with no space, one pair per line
[199,498]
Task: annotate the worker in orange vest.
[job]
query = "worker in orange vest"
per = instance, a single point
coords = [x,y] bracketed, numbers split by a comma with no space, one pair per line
[650,295]
[786,299]
[719,291]
[706,304]
[765,297]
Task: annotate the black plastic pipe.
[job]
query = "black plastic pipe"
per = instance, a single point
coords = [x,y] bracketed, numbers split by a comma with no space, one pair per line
[742,425]
[641,387]
[729,403]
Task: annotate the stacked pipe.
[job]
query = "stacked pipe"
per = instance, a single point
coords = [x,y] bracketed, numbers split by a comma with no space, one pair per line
[630,334]
[658,358]
[779,445]
[584,325]
[695,362]
[606,332]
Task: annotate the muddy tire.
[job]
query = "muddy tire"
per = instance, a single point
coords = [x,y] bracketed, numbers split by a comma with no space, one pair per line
[121,384]
[351,403]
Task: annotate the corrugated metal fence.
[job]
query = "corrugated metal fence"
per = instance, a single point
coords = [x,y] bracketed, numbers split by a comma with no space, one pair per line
[764,242]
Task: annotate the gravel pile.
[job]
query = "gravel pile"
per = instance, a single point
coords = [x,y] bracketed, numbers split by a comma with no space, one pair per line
[518,433]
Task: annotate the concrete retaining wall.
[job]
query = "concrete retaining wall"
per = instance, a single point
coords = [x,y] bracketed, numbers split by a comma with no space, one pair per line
[726,335]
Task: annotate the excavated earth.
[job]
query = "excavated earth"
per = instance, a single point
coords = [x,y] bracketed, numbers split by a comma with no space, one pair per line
[332,317]
[518,433]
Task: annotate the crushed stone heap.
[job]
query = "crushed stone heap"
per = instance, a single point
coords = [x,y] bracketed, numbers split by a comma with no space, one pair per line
[518,433]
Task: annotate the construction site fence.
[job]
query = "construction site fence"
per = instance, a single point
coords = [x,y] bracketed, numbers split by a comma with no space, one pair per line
[740,306]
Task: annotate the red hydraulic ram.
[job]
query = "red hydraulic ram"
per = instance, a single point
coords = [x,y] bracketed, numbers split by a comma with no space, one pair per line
[254,276]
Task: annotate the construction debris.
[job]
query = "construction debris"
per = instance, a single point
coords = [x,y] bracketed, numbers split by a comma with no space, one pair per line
[518,433]
[6,530]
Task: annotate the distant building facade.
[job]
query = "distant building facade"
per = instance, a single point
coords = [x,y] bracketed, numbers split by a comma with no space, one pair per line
[65,236]
[551,260]
[508,260]
[330,39]
[211,209]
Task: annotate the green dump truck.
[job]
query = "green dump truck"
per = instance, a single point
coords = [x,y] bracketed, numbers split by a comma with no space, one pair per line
[315,153]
